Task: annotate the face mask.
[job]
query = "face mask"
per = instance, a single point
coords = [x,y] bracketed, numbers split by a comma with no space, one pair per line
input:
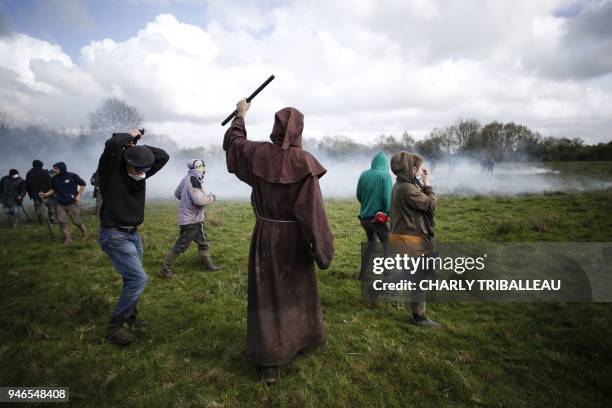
[137,177]
[201,171]
[15,175]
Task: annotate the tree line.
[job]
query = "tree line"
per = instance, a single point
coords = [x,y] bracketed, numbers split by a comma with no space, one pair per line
[466,137]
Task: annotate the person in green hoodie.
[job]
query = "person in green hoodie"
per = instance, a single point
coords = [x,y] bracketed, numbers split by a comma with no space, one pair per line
[374,194]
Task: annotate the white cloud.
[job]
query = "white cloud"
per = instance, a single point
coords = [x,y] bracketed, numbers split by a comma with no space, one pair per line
[372,68]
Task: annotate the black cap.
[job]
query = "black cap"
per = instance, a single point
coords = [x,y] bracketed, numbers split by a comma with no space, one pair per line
[37,163]
[139,156]
[12,172]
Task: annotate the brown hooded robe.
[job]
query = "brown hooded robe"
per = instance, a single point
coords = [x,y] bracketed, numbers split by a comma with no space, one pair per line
[291,230]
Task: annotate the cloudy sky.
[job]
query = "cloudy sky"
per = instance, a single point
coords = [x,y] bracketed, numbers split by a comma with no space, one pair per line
[360,68]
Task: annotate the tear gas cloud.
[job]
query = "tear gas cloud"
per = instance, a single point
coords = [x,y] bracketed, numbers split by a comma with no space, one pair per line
[464,177]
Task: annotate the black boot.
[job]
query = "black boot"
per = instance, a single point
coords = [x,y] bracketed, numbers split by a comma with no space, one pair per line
[269,375]
[119,335]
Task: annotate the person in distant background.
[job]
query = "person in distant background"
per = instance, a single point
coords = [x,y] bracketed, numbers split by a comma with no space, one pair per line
[191,217]
[12,190]
[68,189]
[490,165]
[39,180]
[374,194]
[97,195]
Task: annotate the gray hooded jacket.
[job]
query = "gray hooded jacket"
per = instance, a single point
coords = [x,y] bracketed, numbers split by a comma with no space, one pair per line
[193,199]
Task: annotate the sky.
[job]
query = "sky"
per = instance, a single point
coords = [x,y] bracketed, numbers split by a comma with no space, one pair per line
[358,69]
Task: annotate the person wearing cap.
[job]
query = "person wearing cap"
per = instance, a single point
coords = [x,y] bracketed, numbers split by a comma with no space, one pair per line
[12,190]
[191,217]
[122,170]
[39,180]
[68,189]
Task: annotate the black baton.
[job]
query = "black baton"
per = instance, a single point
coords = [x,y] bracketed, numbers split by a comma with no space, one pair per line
[253,95]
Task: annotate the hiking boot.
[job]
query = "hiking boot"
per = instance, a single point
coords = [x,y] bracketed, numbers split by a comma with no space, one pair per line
[424,321]
[269,375]
[83,230]
[208,262]
[119,336]
[166,271]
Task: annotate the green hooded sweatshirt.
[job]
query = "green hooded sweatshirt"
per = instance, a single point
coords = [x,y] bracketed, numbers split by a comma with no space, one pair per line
[374,188]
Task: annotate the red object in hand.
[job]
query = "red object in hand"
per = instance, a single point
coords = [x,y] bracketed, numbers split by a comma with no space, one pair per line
[381,218]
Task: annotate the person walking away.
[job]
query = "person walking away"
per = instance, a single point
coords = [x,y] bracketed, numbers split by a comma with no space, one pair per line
[39,180]
[191,217]
[12,190]
[68,189]
[374,194]
[291,233]
[413,203]
[123,169]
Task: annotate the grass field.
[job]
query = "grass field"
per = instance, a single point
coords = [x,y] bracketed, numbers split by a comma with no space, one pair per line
[56,301]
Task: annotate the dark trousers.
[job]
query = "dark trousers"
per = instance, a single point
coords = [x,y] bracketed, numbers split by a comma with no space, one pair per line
[51,205]
[189,233]
[375,232]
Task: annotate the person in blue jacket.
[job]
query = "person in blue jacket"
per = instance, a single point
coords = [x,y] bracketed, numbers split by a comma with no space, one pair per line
[68,189]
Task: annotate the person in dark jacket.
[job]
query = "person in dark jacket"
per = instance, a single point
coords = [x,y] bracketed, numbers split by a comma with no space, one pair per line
[39,180]
[97,195]
[291,234]
[12,190]
[374,194]
[122,170]
[68,189]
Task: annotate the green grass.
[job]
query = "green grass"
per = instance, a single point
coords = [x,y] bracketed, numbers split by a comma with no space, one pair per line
[56,301]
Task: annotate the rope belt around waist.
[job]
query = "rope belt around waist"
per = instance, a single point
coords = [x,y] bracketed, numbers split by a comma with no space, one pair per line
[271,220]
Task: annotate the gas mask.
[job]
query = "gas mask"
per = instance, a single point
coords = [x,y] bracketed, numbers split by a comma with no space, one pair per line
[139,174]
[201,170]
[137,177]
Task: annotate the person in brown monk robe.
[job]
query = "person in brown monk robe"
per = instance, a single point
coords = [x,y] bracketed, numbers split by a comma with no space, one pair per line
[291,231]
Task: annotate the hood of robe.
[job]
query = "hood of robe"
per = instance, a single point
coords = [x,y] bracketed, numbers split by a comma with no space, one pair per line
[284,161]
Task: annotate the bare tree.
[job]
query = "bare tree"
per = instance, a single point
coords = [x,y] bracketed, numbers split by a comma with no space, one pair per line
[114,115]
[467,132]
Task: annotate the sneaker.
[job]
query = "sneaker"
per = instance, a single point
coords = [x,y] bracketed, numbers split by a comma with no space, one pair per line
[120,336]
[67,241]
[425,322]
[166,274]
[269,375]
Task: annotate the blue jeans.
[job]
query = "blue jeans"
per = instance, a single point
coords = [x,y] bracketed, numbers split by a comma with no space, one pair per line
[125,252]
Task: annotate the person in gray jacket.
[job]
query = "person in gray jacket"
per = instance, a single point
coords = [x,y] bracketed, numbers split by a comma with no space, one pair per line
[191,217]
